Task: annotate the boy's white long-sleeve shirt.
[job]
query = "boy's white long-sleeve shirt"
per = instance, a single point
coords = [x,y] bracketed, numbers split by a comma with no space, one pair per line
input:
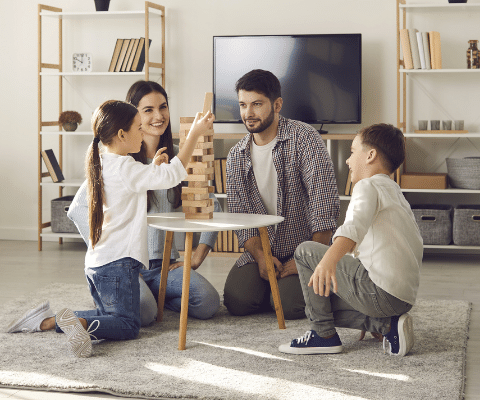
[388,243]
[124,231]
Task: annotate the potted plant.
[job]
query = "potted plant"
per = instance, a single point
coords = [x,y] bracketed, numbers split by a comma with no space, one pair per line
[69,120]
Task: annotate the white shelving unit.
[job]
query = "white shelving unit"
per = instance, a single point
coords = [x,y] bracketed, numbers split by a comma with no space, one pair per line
[403,98]
[56,69]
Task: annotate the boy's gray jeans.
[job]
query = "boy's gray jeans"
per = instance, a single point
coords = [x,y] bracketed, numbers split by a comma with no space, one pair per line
[358,303]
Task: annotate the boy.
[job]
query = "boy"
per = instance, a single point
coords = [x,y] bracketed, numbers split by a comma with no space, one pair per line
[374,289]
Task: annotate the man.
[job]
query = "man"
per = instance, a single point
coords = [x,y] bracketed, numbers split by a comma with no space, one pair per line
[281,168]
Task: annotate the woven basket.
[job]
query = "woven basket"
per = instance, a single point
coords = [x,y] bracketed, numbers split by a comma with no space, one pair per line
[466,225]
[60,222]
[464,173]
[434,222]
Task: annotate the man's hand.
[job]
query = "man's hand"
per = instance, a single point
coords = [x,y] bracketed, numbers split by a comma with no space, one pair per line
[323,277]
[289,268]
[262,267]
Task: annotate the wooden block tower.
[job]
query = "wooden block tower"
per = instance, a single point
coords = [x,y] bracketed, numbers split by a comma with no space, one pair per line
[196,202]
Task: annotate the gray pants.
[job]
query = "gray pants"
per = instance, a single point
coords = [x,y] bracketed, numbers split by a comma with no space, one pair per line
[358,303]
[247,293]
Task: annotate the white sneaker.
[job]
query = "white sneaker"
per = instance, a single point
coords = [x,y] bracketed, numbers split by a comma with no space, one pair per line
[78,339]
[32,319]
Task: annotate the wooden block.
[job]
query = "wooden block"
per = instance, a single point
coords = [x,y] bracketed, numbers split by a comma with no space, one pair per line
[207,103]
[205,164]
[198,203]
[187,120]
[199,216]
[193,196]
[199,178]
[193,210]
[200,171]
[218,176]
[197,190]
[205,157]
[235,243]
[198,184]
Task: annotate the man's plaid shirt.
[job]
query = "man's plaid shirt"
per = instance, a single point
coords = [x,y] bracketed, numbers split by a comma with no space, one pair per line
[307,194]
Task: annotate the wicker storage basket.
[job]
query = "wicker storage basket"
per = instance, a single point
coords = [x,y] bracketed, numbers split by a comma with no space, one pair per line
[434,222]
[466,225]
[464,173]
[60,222]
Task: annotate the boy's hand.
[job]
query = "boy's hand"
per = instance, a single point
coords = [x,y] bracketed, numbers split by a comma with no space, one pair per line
[323,277]
[160,157]
[289,268]
[202,124]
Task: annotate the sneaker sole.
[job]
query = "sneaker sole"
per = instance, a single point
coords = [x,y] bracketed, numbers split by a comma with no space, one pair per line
[286,348]
[29,315]
[78,340]
[405,334]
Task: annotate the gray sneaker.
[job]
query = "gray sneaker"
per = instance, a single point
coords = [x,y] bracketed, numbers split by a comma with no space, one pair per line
[32,319]
[78,339]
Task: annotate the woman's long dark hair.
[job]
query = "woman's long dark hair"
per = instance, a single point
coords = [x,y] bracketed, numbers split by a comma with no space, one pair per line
[136,92]
[107,120]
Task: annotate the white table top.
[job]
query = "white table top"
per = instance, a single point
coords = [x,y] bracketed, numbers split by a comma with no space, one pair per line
[221,221]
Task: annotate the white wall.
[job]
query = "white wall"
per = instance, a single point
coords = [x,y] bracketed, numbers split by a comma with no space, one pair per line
[190,27]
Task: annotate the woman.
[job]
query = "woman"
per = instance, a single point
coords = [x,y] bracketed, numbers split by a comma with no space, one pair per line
[152,103]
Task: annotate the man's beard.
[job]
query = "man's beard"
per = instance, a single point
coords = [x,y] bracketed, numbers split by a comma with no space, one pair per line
[263,124]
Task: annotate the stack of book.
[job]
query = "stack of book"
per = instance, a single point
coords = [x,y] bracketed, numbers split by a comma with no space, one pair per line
[227,241]
[220,165]
[421,50]
[128,55]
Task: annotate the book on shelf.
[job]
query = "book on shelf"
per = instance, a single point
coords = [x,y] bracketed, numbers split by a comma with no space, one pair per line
[127,56]
[435,49]
[426,50]
[224,175]
[116,53]
[139,60]
[121,57]
[407,53]
[420,50]
[52,165]
[217,163]
[412,35]
[132,54]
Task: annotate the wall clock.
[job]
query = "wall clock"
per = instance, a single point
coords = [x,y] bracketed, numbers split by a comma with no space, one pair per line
[82,62]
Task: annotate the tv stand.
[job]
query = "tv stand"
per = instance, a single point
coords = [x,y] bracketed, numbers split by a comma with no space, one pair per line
[322,131]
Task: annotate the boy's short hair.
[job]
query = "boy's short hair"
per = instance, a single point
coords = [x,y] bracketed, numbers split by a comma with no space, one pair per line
[388,141]
[260,81]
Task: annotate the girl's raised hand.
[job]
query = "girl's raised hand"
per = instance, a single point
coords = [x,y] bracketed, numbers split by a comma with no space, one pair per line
[160,157]
[202,125]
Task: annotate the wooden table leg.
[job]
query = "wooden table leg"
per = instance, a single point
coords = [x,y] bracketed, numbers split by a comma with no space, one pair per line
[167,249]
[267,251]
[187,265]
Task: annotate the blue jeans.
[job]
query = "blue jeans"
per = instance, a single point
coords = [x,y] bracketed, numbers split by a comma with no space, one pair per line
[115,289]
[203,302]
[358,303]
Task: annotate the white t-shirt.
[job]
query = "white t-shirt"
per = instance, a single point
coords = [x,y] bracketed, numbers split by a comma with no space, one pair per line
[265,174]
[124,230]
[388,243]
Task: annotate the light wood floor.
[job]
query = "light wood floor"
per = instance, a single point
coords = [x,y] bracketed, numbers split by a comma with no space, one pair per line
[23,269]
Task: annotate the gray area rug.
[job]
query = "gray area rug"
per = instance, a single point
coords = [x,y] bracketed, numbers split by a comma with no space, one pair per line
[237,358]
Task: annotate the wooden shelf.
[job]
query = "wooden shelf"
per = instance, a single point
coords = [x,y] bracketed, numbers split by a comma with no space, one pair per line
[442,135]
[440,71]
[440,5]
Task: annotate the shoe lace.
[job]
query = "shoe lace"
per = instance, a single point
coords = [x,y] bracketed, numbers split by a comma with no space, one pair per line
[90,330]
[305,338]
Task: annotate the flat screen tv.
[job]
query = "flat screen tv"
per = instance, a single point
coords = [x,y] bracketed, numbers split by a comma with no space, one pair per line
[321,75]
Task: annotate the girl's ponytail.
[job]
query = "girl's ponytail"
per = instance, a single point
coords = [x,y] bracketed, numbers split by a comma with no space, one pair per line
[107,120]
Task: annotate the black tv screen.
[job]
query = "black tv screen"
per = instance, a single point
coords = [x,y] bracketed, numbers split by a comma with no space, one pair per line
[320,75]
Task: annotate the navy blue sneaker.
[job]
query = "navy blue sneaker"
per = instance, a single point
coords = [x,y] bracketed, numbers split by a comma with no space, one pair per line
[311,343]
[400,338]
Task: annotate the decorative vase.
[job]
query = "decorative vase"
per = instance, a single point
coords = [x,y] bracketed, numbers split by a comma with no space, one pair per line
[102,5]
[69,126]
[473,57]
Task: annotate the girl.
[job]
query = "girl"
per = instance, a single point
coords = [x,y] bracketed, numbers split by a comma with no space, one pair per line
[117,196]
[204,301]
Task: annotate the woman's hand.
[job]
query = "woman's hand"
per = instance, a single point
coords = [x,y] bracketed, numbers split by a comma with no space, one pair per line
[160,157]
